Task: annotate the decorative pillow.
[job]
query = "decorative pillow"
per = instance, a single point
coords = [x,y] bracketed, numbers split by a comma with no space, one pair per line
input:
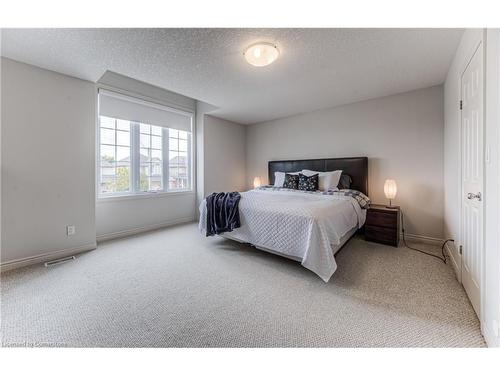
[345,182]
[308,183]
[291,181]
[327,180]
[279,178]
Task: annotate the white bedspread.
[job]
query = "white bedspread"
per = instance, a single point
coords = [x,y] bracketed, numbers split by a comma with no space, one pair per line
[296,224]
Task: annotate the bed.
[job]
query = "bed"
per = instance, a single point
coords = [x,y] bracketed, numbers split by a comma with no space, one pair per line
[309,227]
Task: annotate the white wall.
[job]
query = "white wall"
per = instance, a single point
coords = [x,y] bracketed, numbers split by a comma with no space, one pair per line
[224,151]
[48,137]
[402,135]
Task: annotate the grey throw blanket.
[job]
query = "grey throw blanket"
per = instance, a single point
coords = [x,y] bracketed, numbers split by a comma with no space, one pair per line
[222,212]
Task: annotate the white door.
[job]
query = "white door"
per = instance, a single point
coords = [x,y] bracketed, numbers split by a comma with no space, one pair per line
[472,177]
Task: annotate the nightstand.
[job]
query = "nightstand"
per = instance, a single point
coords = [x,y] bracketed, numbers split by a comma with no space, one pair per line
[382,224]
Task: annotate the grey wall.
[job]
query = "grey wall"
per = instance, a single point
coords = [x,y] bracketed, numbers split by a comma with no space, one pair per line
[402,135]
[224,154]
[123,216]
[202,109]
[47,161]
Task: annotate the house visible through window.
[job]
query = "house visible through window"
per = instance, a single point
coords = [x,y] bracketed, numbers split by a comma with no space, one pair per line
[151,158]
[178,160]
[137,157]
[115,155]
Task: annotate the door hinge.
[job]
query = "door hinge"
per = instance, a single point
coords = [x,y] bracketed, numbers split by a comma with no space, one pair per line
[461,105]
[460,249]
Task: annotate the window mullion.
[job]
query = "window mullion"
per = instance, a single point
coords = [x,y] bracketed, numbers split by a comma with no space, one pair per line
[116,154]
[134,157]
[189,158]
[166,169]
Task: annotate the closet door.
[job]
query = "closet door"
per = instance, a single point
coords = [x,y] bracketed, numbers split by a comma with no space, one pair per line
[472,177]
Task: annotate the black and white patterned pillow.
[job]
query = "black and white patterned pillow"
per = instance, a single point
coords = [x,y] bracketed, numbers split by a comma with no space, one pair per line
[308,183]
[291,181]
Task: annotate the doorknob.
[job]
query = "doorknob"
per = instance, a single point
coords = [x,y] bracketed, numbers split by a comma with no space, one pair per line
[472,196]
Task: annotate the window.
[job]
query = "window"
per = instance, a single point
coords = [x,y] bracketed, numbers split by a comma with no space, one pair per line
[115,155]
[137,157]
[151,158]
[178,159]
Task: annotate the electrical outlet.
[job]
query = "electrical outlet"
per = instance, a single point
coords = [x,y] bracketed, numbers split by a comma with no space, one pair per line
[70,230]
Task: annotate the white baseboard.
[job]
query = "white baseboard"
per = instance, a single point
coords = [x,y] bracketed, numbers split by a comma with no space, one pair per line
[46,257]
[491,339]
[454,262]
[423,239]
[147,228]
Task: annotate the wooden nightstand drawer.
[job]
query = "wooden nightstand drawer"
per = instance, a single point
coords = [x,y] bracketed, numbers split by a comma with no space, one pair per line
[387,236]
[382,219]
[382,224]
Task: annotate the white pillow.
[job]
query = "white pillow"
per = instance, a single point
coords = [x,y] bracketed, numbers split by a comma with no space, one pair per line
[279,178]
[326,180]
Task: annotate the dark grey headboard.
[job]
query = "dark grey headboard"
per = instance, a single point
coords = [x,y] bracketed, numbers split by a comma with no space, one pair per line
[357,168]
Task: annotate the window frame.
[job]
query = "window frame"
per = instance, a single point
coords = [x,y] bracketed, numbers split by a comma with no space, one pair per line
[135,147]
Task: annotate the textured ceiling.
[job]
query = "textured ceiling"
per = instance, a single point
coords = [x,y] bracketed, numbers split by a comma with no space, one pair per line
[317,68]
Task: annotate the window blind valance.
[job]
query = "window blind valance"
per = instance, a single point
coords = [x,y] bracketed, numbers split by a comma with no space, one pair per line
[112,104]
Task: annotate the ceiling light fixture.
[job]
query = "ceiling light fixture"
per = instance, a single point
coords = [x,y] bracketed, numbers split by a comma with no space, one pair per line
[261,54]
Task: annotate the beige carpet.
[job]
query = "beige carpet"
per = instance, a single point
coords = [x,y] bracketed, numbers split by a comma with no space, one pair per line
[175,288]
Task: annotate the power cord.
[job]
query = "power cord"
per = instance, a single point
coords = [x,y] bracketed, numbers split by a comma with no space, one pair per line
[443,255]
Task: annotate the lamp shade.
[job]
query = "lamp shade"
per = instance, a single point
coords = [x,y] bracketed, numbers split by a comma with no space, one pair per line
[390,189]
[256,182]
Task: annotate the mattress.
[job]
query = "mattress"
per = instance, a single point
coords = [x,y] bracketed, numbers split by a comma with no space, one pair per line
[335,248]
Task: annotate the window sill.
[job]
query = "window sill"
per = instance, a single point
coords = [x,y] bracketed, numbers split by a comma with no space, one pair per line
[125,197]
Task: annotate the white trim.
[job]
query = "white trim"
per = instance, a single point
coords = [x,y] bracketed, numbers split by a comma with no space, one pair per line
[489,336]
[480,44]
[45,257]
[146,98]
[147,103]
[134,132]
[1,165]
[97,146]
[482,291]
[147,228]
[454,262]
[147,195]
[423,239]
